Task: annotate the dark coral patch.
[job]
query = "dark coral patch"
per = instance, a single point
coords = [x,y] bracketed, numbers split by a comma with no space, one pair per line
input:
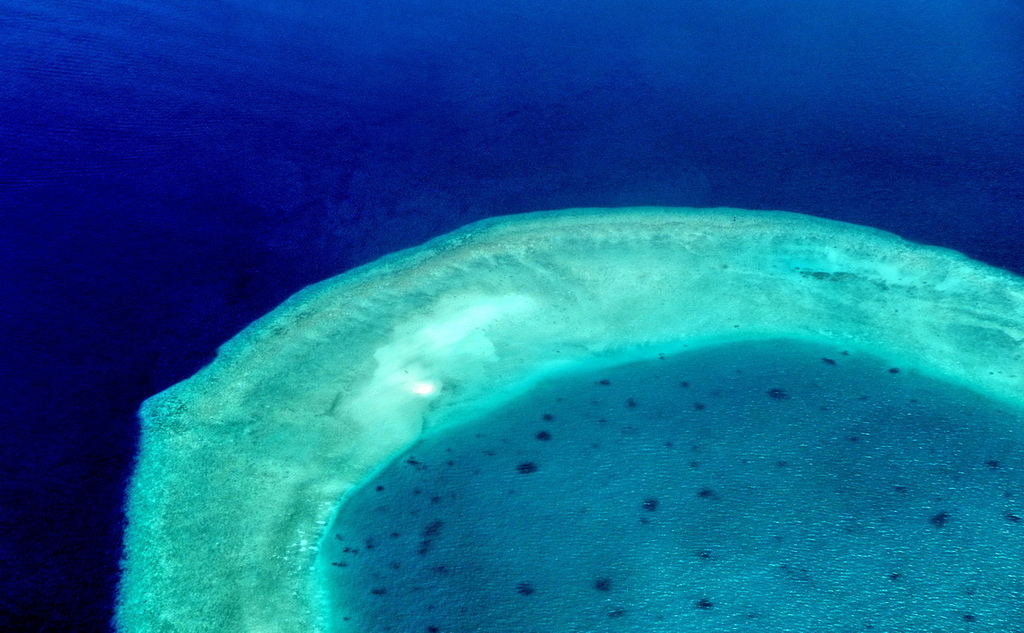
[432,529]
[525,588]
[526,468]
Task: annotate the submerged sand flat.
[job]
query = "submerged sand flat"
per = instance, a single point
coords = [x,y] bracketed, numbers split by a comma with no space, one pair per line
[243,465]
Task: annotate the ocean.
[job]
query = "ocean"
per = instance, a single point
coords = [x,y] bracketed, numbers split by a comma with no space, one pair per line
[172,171]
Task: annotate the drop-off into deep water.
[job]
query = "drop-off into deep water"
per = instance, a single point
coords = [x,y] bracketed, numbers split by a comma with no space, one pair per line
[770,486]
[243,467]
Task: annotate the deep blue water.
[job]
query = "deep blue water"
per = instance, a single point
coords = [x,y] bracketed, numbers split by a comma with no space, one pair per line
[171,170]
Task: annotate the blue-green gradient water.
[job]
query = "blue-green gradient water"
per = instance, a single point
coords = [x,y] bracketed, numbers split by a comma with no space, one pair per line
[768,486]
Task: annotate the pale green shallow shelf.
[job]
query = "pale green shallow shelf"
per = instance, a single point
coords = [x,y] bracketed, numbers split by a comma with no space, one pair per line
[243,465]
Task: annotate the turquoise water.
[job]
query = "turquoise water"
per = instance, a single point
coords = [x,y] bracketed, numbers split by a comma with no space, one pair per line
[769,486]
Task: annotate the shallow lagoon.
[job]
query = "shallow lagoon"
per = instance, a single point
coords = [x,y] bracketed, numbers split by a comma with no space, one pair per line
[758,486]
